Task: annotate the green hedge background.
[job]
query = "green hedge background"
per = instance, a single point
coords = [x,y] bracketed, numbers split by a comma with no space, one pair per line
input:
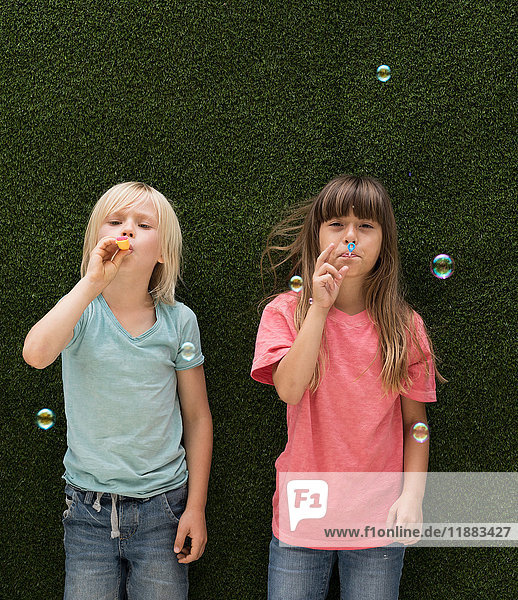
[236,110]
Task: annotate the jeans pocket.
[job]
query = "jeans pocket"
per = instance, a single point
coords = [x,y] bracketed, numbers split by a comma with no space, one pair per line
[174,503]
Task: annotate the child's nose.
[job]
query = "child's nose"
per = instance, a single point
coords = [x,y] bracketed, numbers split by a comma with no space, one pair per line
[128,230]
[350,234]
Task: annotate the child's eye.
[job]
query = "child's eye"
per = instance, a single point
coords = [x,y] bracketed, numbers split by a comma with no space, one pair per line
[144,225]
[113,222]
[336,223]
[367,225]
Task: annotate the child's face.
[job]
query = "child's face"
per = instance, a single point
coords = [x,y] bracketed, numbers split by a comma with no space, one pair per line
[140,224]
[364,233]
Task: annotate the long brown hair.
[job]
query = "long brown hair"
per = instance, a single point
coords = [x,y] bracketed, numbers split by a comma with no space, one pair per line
[392,316]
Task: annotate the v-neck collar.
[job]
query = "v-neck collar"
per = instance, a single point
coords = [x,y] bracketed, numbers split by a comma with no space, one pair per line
[357,320]
[117,324]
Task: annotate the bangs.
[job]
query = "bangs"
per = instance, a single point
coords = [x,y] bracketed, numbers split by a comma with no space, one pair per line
[133,196]
[352,193]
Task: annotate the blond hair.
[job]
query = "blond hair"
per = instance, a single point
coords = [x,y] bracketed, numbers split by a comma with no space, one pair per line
[387,309]
[162,283]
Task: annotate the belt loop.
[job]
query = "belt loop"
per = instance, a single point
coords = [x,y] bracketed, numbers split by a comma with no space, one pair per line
[88,497]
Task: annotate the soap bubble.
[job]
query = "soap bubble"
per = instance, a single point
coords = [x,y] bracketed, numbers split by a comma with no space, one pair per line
[442,266]
[45,418]
[296,283]
[383,73]
[420,432]
[187,351]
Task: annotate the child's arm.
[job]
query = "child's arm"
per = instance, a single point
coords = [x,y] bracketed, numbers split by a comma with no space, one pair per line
[197,435]
[292,374]
[53,332]
[415,454]
[50,335]
[407,510]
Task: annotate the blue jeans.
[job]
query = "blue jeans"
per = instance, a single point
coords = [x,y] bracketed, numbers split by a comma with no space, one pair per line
[139,562]
[304,574]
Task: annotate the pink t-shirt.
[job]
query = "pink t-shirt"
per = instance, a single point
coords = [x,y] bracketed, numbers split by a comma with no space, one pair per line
[348,424]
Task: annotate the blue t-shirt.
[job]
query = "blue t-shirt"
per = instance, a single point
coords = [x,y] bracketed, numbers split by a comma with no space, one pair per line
[124,425]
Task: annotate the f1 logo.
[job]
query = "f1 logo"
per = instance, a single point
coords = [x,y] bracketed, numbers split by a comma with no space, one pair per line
[307,499]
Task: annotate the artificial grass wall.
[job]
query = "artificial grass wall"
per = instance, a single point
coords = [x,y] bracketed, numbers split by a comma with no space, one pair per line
[236,110]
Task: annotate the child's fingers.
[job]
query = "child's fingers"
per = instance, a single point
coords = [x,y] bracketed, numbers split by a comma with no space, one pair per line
[119,257]
[340,277]
[104,250]
[108,250]
[391,517]
[107,244]
[325,269]
[183,554]
[179,542]
[196,550]
[326,280]
[330,276]
[324,256]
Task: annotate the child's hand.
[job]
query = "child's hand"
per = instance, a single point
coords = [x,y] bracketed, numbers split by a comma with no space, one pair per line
[406,512]
[101,268]
[326,280]
[192,524]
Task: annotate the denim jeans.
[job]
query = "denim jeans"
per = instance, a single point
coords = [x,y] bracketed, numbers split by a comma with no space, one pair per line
[303,574]
[139,562]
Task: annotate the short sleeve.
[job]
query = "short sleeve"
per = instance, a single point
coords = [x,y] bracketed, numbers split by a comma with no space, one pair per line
[189,333]
[79,326]
[422,388]
[275,337]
